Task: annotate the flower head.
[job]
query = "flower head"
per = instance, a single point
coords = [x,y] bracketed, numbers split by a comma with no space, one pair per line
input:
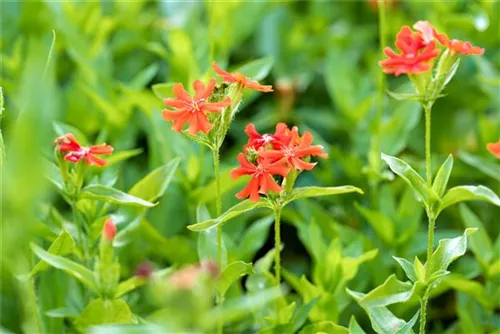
[494,149]
[241,79]
[416,53]
[262,176]
[193,109]
[256,140]
[455,45]
[295,149]
[76,152]
[109,230]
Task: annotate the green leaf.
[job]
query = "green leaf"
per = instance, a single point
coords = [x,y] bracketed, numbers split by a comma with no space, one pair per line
[301,313]
[62,245]
[136,281]
[257,69]
[354,327]
[392,291]
[63,312]
[153,186]
[328,327]
[442,177]
[100,311]
[480,241]
[307,192]
[382,320]
[419,269]
[407,267]
[468,193]
[412,178]
[474,289]
[484,165]
[407,328]
[112,195]
[76,270]
[231,213]
[447,251]
[404,96]
[232,273]
[382,225]
[163,90]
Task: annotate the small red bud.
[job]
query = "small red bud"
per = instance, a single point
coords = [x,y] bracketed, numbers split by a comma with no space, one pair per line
[144,270]
[109,230]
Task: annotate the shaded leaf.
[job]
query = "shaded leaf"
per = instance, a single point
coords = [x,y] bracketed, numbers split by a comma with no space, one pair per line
[442,176]
[232,273]
[407,267]
[480,241]
[257,69]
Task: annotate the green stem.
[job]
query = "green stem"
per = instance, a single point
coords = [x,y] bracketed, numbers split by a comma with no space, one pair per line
[430,236]
[423,308]
[427,109]
[277,244]
[79,227]
[218,206]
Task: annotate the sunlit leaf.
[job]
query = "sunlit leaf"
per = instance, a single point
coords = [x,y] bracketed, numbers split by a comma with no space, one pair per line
[112,195]
[307,192]
[63,245]
[442,177]
[232,273]
[101,311]
[468,193]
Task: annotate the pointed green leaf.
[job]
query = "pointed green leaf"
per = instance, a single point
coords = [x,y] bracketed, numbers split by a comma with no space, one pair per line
[254,238]
[443,176]
[327,327]
[392,291]
[407,328]
[419,269]
[480,241]
[354,327]
[136,281]
[76,270]
[407,267]
[447,251]
[468,193]
[301,313]
[412,178]
[121,156]
[382,320]
[404,96]
[232,273]
[307,192]
[62,245]
[474,289]
[101,311]
[112,195]
[234,211]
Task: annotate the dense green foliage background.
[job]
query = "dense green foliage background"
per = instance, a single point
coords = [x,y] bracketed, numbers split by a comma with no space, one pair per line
[99,83]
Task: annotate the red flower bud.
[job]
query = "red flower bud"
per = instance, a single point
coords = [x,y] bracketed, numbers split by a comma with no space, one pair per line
[109,230]
[144,270]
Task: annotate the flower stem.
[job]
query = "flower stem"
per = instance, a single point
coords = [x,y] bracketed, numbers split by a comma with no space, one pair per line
[218,206]
[277,244]
[427,109]
[423,307]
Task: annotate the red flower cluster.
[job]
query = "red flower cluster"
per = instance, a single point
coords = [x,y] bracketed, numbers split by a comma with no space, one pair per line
[494,149]
[193,109]
[271,155]
[418,49]
[74,152]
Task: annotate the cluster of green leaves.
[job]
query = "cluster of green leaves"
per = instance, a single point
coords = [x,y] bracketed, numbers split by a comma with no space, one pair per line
[101,81]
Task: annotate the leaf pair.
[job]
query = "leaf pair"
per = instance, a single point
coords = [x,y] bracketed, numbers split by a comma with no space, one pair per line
[436,198]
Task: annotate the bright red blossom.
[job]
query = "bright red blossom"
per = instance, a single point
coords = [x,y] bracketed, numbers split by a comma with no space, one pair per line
[241,79]
[262,176]
[295,149]
[256,140]
[455,45]
[76,152]
[416,54]
[193,110]
[494,149]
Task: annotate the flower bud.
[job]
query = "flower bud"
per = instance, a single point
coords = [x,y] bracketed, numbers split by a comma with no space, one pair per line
[144,270]
[109,230]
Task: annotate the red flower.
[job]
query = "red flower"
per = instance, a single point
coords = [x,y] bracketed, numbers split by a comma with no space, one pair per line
[193,110]
[454,45]
[416,55]
[75,152]
[241,79]
[262,180]
[494,149]
[109,230]
[256,140]
[295,149]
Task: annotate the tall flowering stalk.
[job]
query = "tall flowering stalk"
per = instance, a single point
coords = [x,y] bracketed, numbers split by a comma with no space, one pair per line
[273,161]
[208,114]
[417,51]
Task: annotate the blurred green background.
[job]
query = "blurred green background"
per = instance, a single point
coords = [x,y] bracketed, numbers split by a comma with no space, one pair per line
[110,65]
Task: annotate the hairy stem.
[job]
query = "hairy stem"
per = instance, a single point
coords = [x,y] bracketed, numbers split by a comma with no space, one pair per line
[277,245]
[218,206]
[427,109]
[423,307]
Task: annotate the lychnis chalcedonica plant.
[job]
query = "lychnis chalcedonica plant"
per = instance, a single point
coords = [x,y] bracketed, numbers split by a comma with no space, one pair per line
[418,50]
